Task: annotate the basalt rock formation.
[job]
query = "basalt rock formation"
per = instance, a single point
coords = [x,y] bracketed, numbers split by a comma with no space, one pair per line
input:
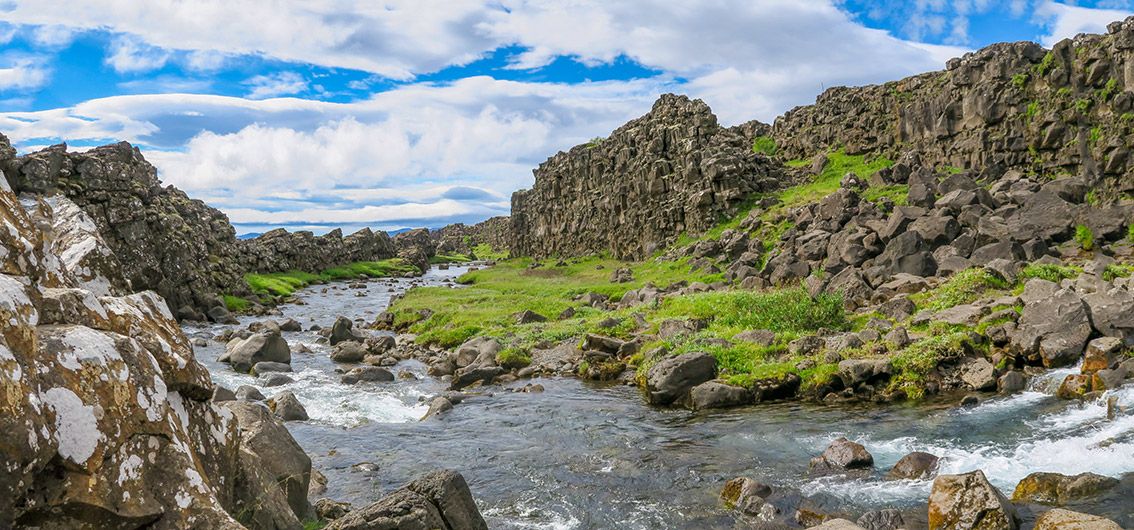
[105,415]
[1067,111]
[672,171]
[163,240]
[280,250]
[461,239]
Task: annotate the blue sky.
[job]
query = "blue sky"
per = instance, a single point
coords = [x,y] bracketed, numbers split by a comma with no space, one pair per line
[326,113]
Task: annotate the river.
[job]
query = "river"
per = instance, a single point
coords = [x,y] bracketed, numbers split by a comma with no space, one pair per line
[583,455]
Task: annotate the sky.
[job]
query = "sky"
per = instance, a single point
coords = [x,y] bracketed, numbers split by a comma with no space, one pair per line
[316,114]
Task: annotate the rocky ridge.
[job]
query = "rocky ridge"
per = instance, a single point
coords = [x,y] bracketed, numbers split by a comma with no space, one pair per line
[672,171]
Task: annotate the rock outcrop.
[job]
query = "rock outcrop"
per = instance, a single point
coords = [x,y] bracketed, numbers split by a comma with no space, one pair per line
[672,171]
[438,500]
[280,250]
[1010,105]
[105,416]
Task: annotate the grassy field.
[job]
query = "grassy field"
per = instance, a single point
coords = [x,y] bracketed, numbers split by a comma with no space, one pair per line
[286,283]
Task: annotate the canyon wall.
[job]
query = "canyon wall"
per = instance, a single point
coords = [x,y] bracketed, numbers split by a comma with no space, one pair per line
[672,171]
[1067,111]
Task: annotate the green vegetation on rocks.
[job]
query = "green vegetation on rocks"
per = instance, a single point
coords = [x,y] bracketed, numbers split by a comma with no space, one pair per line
[963,288]
[286,283]
[485,251]
[235,304]
[764,145]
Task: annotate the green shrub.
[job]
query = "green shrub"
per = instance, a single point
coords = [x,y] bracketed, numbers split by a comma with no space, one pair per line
[764,145]
[1083,105]
[1046,64]
[1130,232]
[1020,80]
[917,360]
[235,304]
[1116,270]
[1033,110]
[964,287]
[512,358]
[1109,90]
[1049,271]
[1085,238]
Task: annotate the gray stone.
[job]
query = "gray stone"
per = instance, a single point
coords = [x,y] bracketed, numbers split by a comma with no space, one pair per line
[671,379]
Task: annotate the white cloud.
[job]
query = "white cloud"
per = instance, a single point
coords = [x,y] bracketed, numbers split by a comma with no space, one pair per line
[53,35]
[277,84]
[1065,21]
[129,54]
[23,72]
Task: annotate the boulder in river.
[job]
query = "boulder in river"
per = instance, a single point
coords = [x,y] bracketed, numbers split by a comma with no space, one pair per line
[249,393]
[1058,490]
[287,407]
[745,495]
[889,519]
[437,500]
[367,374]
[439,405]
[671,379]
[914,466]
[342,330]
[841,455]
[1053,329]
[286,468]
[349,352]
[265,367]
[1059,519]
[969,502]
[268,345]
[715,394]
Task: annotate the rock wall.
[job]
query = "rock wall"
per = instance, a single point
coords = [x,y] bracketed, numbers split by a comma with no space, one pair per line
[105,415]
[672,171]
[461,238]
[1067,111]
[280,250]
[163,240]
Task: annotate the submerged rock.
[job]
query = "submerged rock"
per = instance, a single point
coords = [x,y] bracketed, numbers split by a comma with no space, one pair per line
[841,455]
[268,346]
[1056,489]
[914,466]
[287,407]
[1059,519]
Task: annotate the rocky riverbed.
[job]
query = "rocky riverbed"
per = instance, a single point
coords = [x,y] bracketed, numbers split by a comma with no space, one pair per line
[593,455]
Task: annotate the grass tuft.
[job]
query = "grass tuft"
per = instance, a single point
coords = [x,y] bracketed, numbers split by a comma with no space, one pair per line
[965,287]
[286,283]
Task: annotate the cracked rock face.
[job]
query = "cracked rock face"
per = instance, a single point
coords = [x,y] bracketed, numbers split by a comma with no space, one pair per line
[105,418]
[672,171]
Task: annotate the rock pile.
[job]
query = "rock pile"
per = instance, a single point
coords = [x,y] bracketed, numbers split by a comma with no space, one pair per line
[280,250]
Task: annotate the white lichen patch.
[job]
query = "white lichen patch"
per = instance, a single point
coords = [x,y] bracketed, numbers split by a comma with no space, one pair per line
[83,345]
[76,427]
[15,303]
[130,470]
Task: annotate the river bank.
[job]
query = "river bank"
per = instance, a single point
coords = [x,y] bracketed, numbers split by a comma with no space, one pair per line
[584,454]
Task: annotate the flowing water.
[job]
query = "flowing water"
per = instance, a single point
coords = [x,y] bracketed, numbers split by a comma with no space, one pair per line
[582,455]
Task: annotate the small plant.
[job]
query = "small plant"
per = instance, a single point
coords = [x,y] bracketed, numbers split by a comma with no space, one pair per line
[1049,271]
[1020,80]
[1046,64]
[1092,198]
[764,145]
[1109,90]
[1083,105]
[595,142]
[1115,271]
[1085,238]
[1130,232]
[1033,110]
[235,304]
[963,288]
[1094,136]
[512,358]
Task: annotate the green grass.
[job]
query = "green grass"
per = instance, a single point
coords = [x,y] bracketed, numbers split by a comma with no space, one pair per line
[485,251]
[790,313]
[1032,111]
[1085,238]
[1117,270]
[965,287]
[1130,232]
[1049,271]
[494,295]
[898,194]
[450,258]
[235,304]
[1109,90]
[513,358]
[764,145]
[314,525]
[916,361]
[1020,80]
[827,182]
[286,283]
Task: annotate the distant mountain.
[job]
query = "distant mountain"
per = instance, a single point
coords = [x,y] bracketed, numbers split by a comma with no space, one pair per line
[250,235]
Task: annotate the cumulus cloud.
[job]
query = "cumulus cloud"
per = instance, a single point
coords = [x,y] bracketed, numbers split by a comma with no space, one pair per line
[277,84]
[1065,21]
[19,72]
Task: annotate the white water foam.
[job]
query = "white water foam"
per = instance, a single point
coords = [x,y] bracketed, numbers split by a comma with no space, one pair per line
[1077,438]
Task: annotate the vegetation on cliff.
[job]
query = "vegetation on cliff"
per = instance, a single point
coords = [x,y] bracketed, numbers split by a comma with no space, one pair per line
[286,283]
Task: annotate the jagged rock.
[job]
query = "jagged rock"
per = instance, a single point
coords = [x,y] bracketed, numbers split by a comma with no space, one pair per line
[1074,386]
[1102,353]
[1012,381]
[914,466]
[745,495]
[474,374]
[857,371]
[1059,519]
[437,500]
[677,171]
[978,374]
[266,441]
[267,346]
[249,393]
[291,325]
[479,350]
[1112,313]
[1056,489]
[671,379]
[529,317]
[329,510]
[969,501]
[1054,329]
[287,407]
